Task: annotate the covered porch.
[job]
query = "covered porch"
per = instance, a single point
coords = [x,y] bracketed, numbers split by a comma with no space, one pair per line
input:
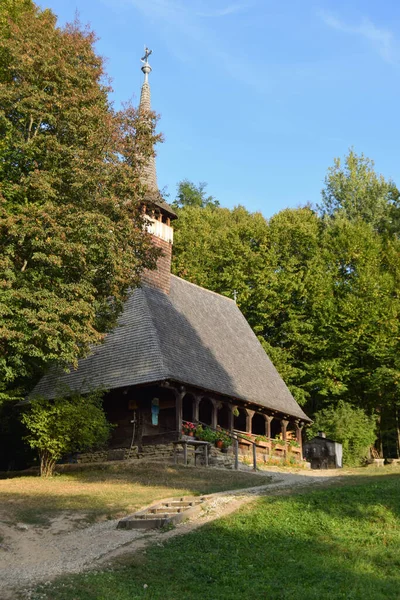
[154,414]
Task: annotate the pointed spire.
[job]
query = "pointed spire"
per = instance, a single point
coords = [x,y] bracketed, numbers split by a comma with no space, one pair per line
[149,171]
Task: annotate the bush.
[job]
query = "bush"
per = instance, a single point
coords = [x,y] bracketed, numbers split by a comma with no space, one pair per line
[350,426]
[224,437]
[206,434]
[69,423]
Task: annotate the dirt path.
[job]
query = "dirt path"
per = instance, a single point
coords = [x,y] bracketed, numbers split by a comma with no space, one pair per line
[29,555]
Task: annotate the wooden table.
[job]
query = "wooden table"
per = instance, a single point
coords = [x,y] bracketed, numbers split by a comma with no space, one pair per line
[200,447]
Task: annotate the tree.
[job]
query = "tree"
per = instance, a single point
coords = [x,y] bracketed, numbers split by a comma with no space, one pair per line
[190,194]
[355,191]
[69,423]
[350,426]
[229,252]
[71,234]
[321,296]
[220,249]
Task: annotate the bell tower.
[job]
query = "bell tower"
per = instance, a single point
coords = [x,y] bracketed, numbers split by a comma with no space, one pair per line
[158,214]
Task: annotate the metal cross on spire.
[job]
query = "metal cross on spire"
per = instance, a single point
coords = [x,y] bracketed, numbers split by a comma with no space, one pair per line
[146,68]
[145,58]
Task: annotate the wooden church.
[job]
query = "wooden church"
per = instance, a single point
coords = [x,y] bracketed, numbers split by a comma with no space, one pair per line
[180,352]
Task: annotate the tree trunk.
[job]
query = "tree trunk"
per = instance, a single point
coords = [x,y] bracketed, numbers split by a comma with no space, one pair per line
[379,444]
[47,464]
[396,416]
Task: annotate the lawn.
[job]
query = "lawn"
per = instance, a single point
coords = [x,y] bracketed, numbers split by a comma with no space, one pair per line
[340,542]
[109,491]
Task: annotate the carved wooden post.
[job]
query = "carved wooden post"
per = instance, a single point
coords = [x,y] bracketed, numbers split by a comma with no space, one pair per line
[249,418]
[179,394]
[196,403]
[230,416]
[299,428]
[268,421]
[214,414]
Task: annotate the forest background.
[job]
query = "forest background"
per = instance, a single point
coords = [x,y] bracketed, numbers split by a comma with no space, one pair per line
[318,284]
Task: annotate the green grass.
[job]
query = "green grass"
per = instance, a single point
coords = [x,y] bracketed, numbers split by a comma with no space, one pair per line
[340,542]
[110,491]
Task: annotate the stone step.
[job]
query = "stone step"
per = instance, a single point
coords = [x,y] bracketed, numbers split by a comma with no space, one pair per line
[163,509]
[168,512]
[179,503]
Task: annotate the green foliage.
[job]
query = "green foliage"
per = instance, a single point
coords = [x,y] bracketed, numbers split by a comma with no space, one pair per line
[278,442]
[243,436]
[206,434]
[339,543]
[320,290]
[190,194]
[69,423]
[355,191]
[350,426]
[71,235]
[224,437]
[293,444]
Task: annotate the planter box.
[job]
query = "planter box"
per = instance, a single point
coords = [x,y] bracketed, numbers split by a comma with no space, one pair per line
[263,444]
[278,448]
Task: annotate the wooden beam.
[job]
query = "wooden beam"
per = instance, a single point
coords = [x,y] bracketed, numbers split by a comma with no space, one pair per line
[284,425]
[249,418]
[230,417]
[214,414]
[299,439]
[178,408]
[268,421]
[196,404]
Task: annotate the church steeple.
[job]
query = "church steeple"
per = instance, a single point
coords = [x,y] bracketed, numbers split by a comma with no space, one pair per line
[153,197]
[158,214]
[149,171]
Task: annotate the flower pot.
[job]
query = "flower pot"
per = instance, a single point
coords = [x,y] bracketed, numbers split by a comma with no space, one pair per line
[219,443]
[190,434]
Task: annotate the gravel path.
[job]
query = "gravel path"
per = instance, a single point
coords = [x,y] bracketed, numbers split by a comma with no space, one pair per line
[29,555]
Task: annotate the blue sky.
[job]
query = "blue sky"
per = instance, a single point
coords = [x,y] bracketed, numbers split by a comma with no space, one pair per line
[257,97]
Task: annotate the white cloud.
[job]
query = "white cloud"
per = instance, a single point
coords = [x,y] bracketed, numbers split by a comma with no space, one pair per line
[382,40]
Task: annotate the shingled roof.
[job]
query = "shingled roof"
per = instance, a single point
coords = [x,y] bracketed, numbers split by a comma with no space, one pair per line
[193,336]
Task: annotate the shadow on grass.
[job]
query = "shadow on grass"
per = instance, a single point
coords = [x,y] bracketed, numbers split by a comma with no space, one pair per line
[277,549]
[110,491]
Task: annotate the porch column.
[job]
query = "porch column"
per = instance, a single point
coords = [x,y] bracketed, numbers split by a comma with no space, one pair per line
[299,429]
[268,421]
[284,425]
[230,417]
[196,403]
[179,394]
[249,418]
[214,414]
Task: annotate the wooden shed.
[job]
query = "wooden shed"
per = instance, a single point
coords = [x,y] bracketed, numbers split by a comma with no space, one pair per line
[323,453]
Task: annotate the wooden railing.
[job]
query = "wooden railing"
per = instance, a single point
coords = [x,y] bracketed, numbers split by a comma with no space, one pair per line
[243,438]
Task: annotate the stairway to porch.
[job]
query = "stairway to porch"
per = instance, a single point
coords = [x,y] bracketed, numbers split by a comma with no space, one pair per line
[169,512]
